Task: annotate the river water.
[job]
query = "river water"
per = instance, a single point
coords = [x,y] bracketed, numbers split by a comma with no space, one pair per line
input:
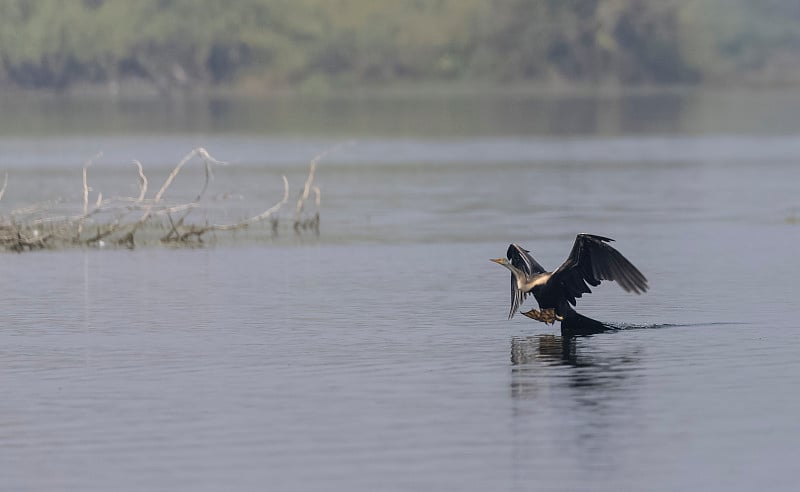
[377,355]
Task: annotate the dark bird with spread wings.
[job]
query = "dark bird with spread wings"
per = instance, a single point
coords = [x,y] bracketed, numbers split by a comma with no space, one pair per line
[591,261]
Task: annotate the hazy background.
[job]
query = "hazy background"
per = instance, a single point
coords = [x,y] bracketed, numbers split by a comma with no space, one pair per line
[258,46]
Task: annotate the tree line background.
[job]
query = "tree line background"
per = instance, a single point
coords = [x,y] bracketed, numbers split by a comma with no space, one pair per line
[268,44]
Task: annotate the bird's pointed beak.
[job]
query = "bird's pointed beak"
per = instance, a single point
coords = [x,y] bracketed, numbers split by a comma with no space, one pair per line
[498,260]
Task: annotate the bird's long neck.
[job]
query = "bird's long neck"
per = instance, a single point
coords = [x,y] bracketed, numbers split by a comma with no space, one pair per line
[527,282]
[521,277]
[518,274]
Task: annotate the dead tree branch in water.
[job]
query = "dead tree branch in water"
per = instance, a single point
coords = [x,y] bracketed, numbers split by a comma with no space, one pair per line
[132,221]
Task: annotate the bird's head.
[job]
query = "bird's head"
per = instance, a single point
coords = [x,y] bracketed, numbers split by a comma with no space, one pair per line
[500,261]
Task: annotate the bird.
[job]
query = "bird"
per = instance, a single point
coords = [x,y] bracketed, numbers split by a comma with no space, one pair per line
[591,261]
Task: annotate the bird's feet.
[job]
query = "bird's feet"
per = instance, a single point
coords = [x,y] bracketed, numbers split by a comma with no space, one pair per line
[548,316]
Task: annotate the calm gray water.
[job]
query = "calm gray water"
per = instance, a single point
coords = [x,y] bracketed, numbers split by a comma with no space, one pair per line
[377,356]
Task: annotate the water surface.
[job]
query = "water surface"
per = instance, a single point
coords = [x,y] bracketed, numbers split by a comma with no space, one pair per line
[377,355]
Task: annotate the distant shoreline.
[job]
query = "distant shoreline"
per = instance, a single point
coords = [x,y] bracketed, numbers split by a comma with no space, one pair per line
[140,90]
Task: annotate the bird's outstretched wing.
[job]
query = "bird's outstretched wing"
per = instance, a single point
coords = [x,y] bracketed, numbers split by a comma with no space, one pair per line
[519,258]
[591,261]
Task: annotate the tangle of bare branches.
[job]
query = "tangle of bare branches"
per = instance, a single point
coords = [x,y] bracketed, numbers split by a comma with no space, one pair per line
[130,221]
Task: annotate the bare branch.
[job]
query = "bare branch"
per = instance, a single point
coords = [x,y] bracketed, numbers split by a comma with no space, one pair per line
[173,174]
[304,196]
[36,207]
[318,197]
[5,184]
[257,218]
[198,151]
[142,181]
[86,188]
[312,170]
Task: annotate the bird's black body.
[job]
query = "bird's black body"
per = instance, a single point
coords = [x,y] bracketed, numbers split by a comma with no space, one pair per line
[549,298]
[591,261]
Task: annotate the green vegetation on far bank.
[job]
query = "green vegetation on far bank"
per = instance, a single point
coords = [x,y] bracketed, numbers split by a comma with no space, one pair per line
[262,45]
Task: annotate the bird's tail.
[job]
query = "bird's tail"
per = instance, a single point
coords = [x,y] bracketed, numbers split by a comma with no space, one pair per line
[574,324]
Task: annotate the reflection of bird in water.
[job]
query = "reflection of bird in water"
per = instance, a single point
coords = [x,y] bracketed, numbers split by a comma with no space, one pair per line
[589,366]
[591,261]
[549,348]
